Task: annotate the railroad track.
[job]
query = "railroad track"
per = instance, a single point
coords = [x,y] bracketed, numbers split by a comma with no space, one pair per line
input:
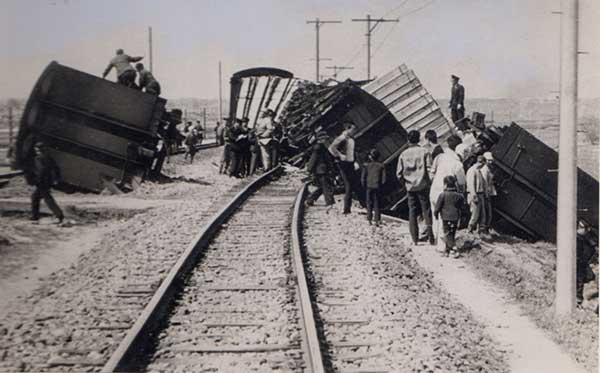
[237,300]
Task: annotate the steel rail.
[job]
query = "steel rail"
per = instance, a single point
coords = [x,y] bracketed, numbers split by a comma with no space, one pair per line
[131,349]
[10,175]
[198,147]
[313,346]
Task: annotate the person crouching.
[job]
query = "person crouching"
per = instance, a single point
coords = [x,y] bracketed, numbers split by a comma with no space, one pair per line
[448,206]
[372,178]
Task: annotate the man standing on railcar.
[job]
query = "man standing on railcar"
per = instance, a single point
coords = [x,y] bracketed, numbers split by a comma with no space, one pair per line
[125,72]
[345,158]
[413,170]
[457,100]
[146,80]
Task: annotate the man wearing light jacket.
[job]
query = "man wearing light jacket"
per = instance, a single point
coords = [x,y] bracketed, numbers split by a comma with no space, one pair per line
[476,191]
[125,72]
[413,167]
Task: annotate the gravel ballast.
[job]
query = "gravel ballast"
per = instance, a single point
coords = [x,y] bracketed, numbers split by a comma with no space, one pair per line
[380,311]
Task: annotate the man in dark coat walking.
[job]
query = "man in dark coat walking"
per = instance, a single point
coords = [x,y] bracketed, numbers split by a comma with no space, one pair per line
[44,175]
[457,100]
[320,166]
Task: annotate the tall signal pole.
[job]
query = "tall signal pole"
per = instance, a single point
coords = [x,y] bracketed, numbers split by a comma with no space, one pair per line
[220,94]
[370,29]
[566,237]
[318,24]
[337,69]
[150,47]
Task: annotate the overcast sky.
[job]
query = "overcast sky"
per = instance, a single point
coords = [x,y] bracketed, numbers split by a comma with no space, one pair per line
[500,48]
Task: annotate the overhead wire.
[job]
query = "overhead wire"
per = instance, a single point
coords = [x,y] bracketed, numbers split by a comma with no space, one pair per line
[396,24]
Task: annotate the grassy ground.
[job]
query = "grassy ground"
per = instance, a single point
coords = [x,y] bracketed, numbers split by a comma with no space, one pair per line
[527,272]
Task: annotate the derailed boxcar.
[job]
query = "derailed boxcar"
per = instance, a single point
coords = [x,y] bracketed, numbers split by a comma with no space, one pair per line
[96,130]
[403,94]
[526,178]
[256,89]
[376,129]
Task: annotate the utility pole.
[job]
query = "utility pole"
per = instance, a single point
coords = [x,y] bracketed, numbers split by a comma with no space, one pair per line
[370,29]
[318,24]
[150,47]
[220,94]
[10,126]
[566,236]
[337,69]
[204,119]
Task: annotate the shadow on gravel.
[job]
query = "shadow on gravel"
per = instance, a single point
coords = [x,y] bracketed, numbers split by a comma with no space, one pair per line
[164,179]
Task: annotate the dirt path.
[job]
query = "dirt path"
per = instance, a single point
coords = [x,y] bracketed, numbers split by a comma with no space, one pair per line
[529,349]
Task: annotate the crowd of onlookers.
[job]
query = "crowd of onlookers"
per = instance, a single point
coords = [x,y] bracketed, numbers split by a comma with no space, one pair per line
[247,149]
[440,193]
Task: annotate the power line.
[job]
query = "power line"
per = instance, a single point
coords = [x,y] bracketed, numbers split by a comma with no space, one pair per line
[337,69]
[396,8]
[400,17]
[318,24]
[370,29]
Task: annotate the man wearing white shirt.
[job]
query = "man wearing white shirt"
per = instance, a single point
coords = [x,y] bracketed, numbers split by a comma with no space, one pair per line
[491,188]
[264,133]
[446,164]
[345,159]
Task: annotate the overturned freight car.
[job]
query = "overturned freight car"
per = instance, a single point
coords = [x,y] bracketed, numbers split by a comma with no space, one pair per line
[526,178]
[97,131]
[384,109]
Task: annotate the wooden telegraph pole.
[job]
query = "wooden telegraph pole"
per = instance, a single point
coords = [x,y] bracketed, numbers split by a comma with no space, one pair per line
[370,29]
[566,237]
[220,95]
[318,24]
[10,127]
[150,48]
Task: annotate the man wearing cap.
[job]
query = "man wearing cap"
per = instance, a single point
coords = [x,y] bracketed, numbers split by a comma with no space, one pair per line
[448,163]
[345,158]
[490,195]
[264,133]
[457,100]
[476,191]
[146,80]
[232,135]
[125,72]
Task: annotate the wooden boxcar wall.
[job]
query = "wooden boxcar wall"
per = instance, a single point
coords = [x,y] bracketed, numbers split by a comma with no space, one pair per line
[90,125]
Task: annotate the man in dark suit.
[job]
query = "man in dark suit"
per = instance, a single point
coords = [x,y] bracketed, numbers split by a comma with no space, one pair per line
[320,166]
[457,100]
[44,175]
